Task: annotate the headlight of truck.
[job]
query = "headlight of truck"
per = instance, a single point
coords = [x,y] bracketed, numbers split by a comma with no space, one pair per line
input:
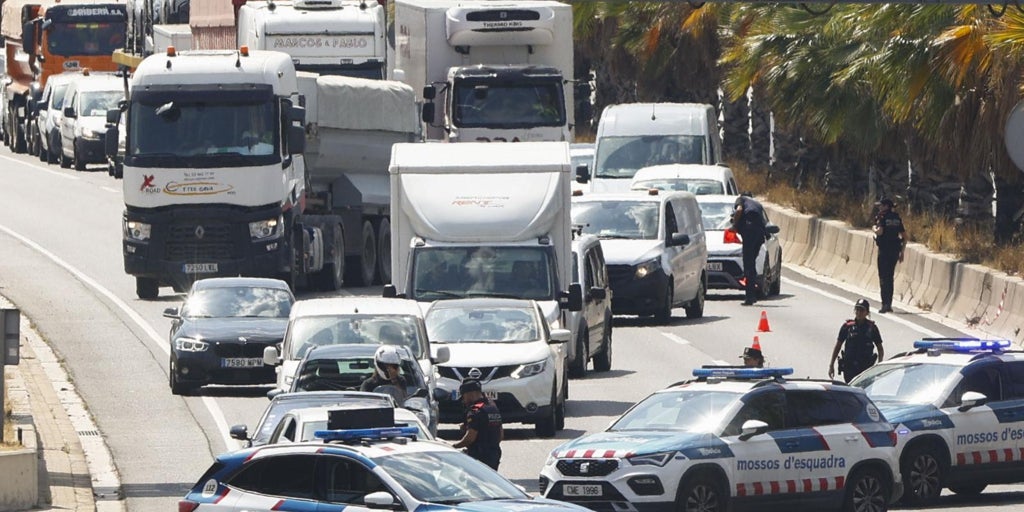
[647,267]
[266,229]
[190,345]
[135,230]
[529,370]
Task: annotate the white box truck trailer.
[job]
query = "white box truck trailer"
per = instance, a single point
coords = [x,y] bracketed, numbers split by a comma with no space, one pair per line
[497,70]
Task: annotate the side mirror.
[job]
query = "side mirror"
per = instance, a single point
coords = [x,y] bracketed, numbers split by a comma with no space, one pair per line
[678,239]
[429,92]
[582,173]
[380,500]
[296,139]
[390,292]
[298,115]
[273,393]
[598,293]
[271,356]
[772,229]
[971,399]
[752,428]
[441,355]
[111,140]
[171,313]
[440,394]
[428,113]
[240,432]
[560,336]
[114,115]
[572,299]
[28,37]
[69,112]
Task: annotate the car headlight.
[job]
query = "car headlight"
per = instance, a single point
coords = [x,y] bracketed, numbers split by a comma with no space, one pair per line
[266,229]
[135,230]
[529,370]
[651,459]
[190,345]
[550,460]
[647,267]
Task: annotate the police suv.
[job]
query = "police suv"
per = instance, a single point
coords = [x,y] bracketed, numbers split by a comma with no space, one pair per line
[958,407]
[362,463]
[734,439]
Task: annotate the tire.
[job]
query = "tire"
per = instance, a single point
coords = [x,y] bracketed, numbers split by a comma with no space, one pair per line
[362,274]
[701,494]
[924,475]
[75,159]
[147,288]
[578,366]
[762,282]
[776,287]
[18,144]
[867,491]
[968,489]
[603,360]
[43,154]
[695,308]
[384,251]
[52,156]
[65,162]
[547,425]
[332,276]
[664,313]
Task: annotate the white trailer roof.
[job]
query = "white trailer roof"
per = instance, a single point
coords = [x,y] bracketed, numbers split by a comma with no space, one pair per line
[475,157]
[359,104]
[218,67]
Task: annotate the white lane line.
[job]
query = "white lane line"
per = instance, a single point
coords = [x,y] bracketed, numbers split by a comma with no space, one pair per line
[675,338]
[44,169]
[111,189]
[209,402]
[844,300]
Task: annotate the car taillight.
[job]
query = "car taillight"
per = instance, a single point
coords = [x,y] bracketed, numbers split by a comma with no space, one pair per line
[892,437]
[731,237]
[187,506]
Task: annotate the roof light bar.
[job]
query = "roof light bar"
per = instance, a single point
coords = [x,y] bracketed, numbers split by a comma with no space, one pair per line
[742,373]
[962,344]
[365,433]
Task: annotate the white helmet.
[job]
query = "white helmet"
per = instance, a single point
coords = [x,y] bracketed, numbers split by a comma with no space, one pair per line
[386,354]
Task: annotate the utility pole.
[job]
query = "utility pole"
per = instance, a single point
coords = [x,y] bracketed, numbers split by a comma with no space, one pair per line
[9,350]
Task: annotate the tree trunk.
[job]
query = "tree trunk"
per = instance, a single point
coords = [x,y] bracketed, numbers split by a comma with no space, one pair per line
[1009,211]
[735,126]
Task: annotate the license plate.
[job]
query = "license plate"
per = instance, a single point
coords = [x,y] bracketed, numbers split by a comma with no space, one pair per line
[200,268]
[241,362]
[578,490]
[715,266]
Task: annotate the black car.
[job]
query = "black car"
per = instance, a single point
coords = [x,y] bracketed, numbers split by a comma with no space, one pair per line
[283,403]
[218,335]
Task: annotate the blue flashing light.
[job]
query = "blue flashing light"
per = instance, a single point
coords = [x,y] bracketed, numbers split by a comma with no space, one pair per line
[742,373]
[962,344]
[366,433]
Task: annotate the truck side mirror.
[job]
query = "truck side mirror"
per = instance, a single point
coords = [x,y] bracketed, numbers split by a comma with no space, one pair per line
[429,92]
[111,140]
[428,113]
[582,173]
[28,37]
[296,139]
[572,299]
[390,292]
[114,115]
[69,113]
[298,115]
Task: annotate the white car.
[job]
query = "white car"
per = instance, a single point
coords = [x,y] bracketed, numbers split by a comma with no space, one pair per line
[301,425]
[725,249]
[506,345]
[83,126]
[49,114]
[695,178]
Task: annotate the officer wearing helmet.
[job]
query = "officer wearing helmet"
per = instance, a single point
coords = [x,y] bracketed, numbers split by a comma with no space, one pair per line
[858,339]
[482,431]
[388,370]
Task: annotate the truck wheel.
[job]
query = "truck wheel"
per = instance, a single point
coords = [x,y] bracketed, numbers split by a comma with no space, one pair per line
[578,366]
[384,251]
[52,156]
[362,274]
[695,309]
[65,162]
[332,277]
[147,288]
[40,152]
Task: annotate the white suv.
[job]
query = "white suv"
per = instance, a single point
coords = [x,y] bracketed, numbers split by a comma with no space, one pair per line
[506,345]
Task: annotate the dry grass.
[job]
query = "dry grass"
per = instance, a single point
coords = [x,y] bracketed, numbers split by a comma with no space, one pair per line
[972,243]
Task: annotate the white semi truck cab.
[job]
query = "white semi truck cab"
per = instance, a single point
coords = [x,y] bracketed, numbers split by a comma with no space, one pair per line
[489,70]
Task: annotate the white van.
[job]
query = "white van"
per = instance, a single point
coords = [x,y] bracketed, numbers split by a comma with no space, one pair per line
[83,125]
[698,179]
[655,249]
[635,135]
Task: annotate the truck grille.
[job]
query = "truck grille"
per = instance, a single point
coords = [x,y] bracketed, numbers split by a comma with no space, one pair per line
[594,467]
[185,244]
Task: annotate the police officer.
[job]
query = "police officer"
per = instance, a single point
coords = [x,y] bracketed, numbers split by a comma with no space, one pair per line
[748,221]
[753,357]
[482,430]
[891,239]
[860,337]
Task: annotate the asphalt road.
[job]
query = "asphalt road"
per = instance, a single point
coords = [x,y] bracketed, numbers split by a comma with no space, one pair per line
[60,234]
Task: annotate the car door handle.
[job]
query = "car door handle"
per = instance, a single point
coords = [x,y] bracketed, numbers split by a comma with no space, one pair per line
[852,439]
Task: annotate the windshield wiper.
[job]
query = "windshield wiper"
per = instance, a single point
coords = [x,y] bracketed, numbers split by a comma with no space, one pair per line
[494,294]
[450,502]
[614,237]
[444,293]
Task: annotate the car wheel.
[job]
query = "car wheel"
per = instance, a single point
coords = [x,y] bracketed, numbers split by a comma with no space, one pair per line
[52,156]
[65,162]
[867,491]
[776,287]
[700,494]
[560,411]
[762,280]
[923,473]
[147,288]
[664,313]
[603,360]
[547,425]
[968,489]
[42,153]
[76,160]
[363,272]
[578,366]
[695,309]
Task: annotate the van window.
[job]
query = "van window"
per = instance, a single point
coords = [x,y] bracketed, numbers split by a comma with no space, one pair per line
[621,157]
[635,220]
[671,226]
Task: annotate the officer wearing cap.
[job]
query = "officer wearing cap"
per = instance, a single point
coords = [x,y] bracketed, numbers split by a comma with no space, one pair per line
[482,430]
[891,239]
[753,358]
[749,221]
[858,339]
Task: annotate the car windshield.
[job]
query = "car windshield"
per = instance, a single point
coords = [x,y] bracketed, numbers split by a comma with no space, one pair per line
[686,411]
[238,302]
[456,272]
[637,220]
[447,477]
[696,186]
[716,216]
[97,103]
[307,332]
[621,157]
[324,374]
[278,408]
[907,383]
[482,325]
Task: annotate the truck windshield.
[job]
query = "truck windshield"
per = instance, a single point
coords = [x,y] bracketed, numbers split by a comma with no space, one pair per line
[517,105]
[635,220]
[453,272]
[621,157]
[96,103]
[71,39]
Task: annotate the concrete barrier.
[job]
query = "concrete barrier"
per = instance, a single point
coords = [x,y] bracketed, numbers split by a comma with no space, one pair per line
[19,468]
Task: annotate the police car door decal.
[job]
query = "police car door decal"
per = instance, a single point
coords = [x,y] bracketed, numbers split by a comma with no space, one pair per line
[977,434]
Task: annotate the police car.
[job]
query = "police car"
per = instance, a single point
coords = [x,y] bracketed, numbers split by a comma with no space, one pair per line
[358,468]
[734,439]
[958,407]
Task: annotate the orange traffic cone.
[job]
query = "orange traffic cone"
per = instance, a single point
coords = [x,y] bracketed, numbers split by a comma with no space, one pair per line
[757,344]
[762,326]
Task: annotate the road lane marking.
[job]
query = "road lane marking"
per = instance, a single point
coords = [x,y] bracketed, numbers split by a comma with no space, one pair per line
[675,338]
[895,318]
[111,189]
[44,169]
[209,402]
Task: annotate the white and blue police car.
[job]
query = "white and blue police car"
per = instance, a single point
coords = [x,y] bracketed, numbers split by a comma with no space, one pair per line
[734,439]
[958,407]
[358,470]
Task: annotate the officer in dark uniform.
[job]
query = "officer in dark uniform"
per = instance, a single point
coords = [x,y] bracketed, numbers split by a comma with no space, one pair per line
[861,338]
[891,238]
[748,221]
[482,430]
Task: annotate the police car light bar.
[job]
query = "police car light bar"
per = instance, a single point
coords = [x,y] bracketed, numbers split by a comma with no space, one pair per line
[742,373]
[365,433]
[962,344]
